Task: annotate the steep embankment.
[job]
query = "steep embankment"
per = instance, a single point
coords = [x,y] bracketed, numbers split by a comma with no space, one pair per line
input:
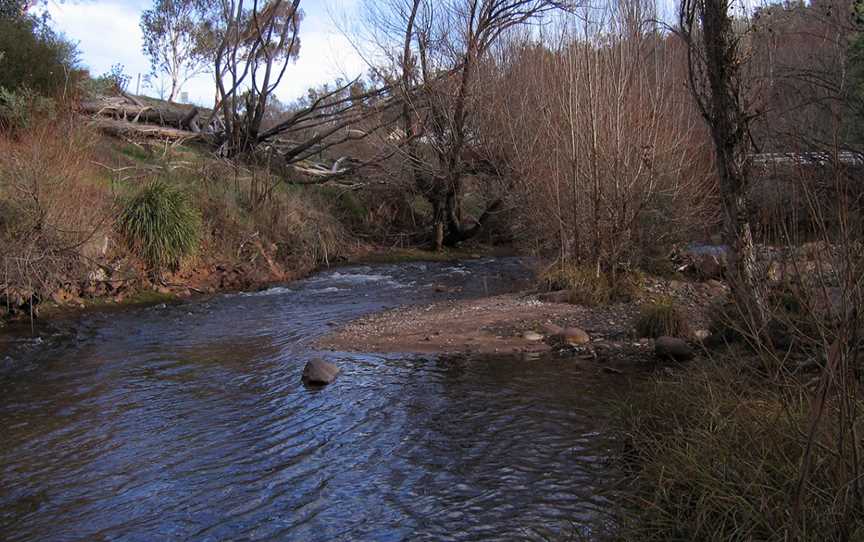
[87,218]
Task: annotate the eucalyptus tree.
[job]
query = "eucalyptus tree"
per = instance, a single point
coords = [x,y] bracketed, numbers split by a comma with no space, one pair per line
[175,41]
[255,44]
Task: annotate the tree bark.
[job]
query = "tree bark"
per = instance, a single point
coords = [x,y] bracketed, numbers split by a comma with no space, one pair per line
[722,105]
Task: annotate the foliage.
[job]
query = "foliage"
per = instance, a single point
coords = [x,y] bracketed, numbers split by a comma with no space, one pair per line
[176,41]
[628,286]
[32,55]
[116,79]
[249,212]
[661,318]
[18,110]
[161,224]
[587,287]
[12,9]
[715,455]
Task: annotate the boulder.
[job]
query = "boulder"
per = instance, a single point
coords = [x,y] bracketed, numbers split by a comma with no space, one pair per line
[532,336]
[319,372]
[574,336]
[670,348]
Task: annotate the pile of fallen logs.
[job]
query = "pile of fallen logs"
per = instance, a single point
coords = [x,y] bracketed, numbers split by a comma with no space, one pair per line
[133,117]
[128,115]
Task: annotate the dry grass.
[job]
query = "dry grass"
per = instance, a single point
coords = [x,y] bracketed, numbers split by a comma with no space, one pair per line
[585,285]
[245,210]
[716,455]
[62,195]
[589,288]
[660,318]
[55,207]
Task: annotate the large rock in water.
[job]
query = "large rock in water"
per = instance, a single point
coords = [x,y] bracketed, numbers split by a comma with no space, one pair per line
[670,348]
[319,372]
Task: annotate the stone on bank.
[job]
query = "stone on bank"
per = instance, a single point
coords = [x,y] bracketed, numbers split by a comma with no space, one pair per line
[671,348]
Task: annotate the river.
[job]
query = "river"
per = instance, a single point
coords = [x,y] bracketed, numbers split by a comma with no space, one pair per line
[188,421]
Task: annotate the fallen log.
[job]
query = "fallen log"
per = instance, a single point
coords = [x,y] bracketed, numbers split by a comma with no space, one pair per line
[152,115]
[126,128]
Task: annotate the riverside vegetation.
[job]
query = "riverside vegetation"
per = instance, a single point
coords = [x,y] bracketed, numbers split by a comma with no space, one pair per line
[711,146]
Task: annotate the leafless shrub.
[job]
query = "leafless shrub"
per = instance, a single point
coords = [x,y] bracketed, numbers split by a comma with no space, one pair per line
[610,161]
[53,206]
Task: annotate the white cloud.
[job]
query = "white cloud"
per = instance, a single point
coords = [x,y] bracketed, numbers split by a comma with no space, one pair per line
[107,33]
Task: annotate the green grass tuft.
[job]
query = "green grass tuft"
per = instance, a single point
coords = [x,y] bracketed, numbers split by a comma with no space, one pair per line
[161,225]
[661,318]
[583,283]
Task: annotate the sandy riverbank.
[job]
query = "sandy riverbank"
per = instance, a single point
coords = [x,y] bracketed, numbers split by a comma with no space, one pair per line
[498,324]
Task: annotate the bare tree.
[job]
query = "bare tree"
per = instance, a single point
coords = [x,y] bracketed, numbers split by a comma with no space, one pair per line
[256,42]
[611,168]
[439,49]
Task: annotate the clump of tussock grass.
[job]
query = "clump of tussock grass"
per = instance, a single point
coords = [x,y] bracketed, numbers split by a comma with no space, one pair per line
[661,317]
[584,284]
[161,224]
[716,453]
[589,288]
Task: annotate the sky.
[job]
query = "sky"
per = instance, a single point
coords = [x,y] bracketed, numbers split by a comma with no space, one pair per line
[107,33]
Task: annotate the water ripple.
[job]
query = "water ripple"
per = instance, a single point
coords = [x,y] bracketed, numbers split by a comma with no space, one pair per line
[189,423]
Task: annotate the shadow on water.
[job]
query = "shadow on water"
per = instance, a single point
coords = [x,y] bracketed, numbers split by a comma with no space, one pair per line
[190,422]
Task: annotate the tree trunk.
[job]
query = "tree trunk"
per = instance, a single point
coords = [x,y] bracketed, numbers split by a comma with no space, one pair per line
[438,222]
[173,116]
[729,128]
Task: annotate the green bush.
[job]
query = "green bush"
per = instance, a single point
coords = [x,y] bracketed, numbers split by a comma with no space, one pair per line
[661,318]
[32,55]
[161,225]
[19,109]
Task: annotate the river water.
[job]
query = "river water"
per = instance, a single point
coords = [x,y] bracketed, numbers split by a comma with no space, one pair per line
[189,422]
